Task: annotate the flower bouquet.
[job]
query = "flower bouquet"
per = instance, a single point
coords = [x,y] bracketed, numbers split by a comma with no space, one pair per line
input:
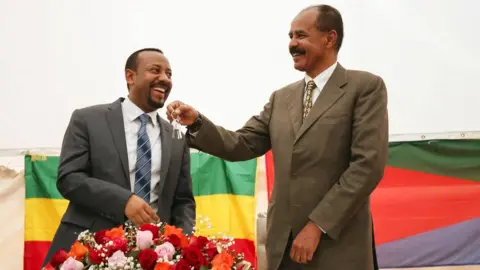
[148,247]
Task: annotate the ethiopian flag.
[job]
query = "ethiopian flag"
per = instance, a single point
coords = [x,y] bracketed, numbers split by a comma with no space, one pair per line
[224,192]
[426,209]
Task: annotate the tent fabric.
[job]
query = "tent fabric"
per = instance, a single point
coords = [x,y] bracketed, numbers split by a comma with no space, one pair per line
[12,200]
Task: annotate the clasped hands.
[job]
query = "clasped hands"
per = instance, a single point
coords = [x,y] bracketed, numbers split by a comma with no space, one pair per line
[305,243]
[139,211]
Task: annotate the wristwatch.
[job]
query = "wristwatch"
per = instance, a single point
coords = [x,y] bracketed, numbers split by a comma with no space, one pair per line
[195,126]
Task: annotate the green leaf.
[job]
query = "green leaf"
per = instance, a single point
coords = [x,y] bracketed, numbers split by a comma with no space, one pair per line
[204,267]
[133,253]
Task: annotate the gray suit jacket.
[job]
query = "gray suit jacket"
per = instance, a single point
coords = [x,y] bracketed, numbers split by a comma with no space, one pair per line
[93,171]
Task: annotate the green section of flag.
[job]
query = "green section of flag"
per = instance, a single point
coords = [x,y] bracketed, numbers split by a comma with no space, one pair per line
[41,177]
[212,175]
[453,158]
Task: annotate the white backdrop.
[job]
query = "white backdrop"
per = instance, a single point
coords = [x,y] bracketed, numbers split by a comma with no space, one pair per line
[227,58]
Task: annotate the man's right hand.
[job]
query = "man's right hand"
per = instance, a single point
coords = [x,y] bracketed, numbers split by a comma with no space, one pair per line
[185,114]
[139,212]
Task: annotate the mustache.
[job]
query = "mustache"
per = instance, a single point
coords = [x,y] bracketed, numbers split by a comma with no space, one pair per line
[161,84]
[294,50]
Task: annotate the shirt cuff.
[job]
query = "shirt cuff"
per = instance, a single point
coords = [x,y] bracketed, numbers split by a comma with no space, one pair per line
[319,227]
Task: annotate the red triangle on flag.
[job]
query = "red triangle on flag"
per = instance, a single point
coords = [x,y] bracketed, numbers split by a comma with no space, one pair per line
[408,202]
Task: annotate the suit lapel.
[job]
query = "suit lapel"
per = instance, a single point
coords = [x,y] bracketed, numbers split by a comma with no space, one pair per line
[327,98]
[117,130]
[296,97]
[166,138]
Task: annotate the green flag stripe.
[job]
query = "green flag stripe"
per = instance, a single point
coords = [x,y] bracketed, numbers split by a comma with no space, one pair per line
[453,158]
[41,177]
[210,175]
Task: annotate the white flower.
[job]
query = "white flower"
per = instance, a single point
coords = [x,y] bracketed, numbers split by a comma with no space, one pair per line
[118,260]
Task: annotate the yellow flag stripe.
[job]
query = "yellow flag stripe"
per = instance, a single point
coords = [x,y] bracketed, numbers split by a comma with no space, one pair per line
[233,215]
[42,217]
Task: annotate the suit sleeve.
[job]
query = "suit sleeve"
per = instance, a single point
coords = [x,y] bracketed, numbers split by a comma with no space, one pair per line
[74,181]
[369,151]
[183,209]
[251,141]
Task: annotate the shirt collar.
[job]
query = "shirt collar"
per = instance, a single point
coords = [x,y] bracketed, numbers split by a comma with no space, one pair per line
[323,77]
[132,112]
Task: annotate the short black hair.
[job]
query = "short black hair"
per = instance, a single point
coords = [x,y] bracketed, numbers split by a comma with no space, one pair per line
[329,18]
[132,59]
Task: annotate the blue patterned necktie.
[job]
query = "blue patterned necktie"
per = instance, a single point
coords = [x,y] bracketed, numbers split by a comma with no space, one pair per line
[143,167]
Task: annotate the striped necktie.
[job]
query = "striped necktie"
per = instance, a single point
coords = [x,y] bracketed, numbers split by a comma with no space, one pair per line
[143,167]
[308,101]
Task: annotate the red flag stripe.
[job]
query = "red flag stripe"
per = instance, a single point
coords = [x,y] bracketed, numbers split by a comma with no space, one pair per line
[270,173]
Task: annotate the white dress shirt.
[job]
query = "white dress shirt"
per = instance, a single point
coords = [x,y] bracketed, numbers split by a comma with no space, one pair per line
[320,82]
[130,114]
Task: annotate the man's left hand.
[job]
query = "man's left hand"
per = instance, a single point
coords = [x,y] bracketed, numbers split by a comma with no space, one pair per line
[306,243]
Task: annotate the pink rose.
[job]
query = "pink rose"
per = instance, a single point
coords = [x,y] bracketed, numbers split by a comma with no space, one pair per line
[117,260]
[165,249]
[144,239]
[72,264]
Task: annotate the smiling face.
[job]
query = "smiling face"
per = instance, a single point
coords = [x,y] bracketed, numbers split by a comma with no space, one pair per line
[151,82]
[312,50]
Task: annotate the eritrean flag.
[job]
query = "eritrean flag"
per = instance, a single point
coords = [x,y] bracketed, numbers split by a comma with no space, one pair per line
[224,192]
[426,209]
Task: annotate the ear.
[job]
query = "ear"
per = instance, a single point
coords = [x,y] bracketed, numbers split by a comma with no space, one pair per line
[130,76]
[331,39]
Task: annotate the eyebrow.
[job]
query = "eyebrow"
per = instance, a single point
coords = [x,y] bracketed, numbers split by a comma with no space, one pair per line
[158,66]
[297,32]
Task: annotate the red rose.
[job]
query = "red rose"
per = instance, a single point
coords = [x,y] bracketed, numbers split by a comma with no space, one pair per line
[152,228]
[193,256]
[147,259]
[175,241]
[58,258]
[199,242]
[181,265]
[211,252]
[94,256]
[107,249]
[101,238]
[119,244]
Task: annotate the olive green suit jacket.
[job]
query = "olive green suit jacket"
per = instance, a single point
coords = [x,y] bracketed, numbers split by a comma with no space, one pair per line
[326,165]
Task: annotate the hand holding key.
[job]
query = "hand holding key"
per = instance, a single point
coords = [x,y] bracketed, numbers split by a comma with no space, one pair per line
[183,113]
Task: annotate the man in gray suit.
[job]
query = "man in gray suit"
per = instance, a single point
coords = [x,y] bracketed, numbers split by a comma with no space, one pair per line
[119,161]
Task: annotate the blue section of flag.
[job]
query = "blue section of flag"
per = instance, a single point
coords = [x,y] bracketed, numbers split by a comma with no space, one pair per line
[458,244]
